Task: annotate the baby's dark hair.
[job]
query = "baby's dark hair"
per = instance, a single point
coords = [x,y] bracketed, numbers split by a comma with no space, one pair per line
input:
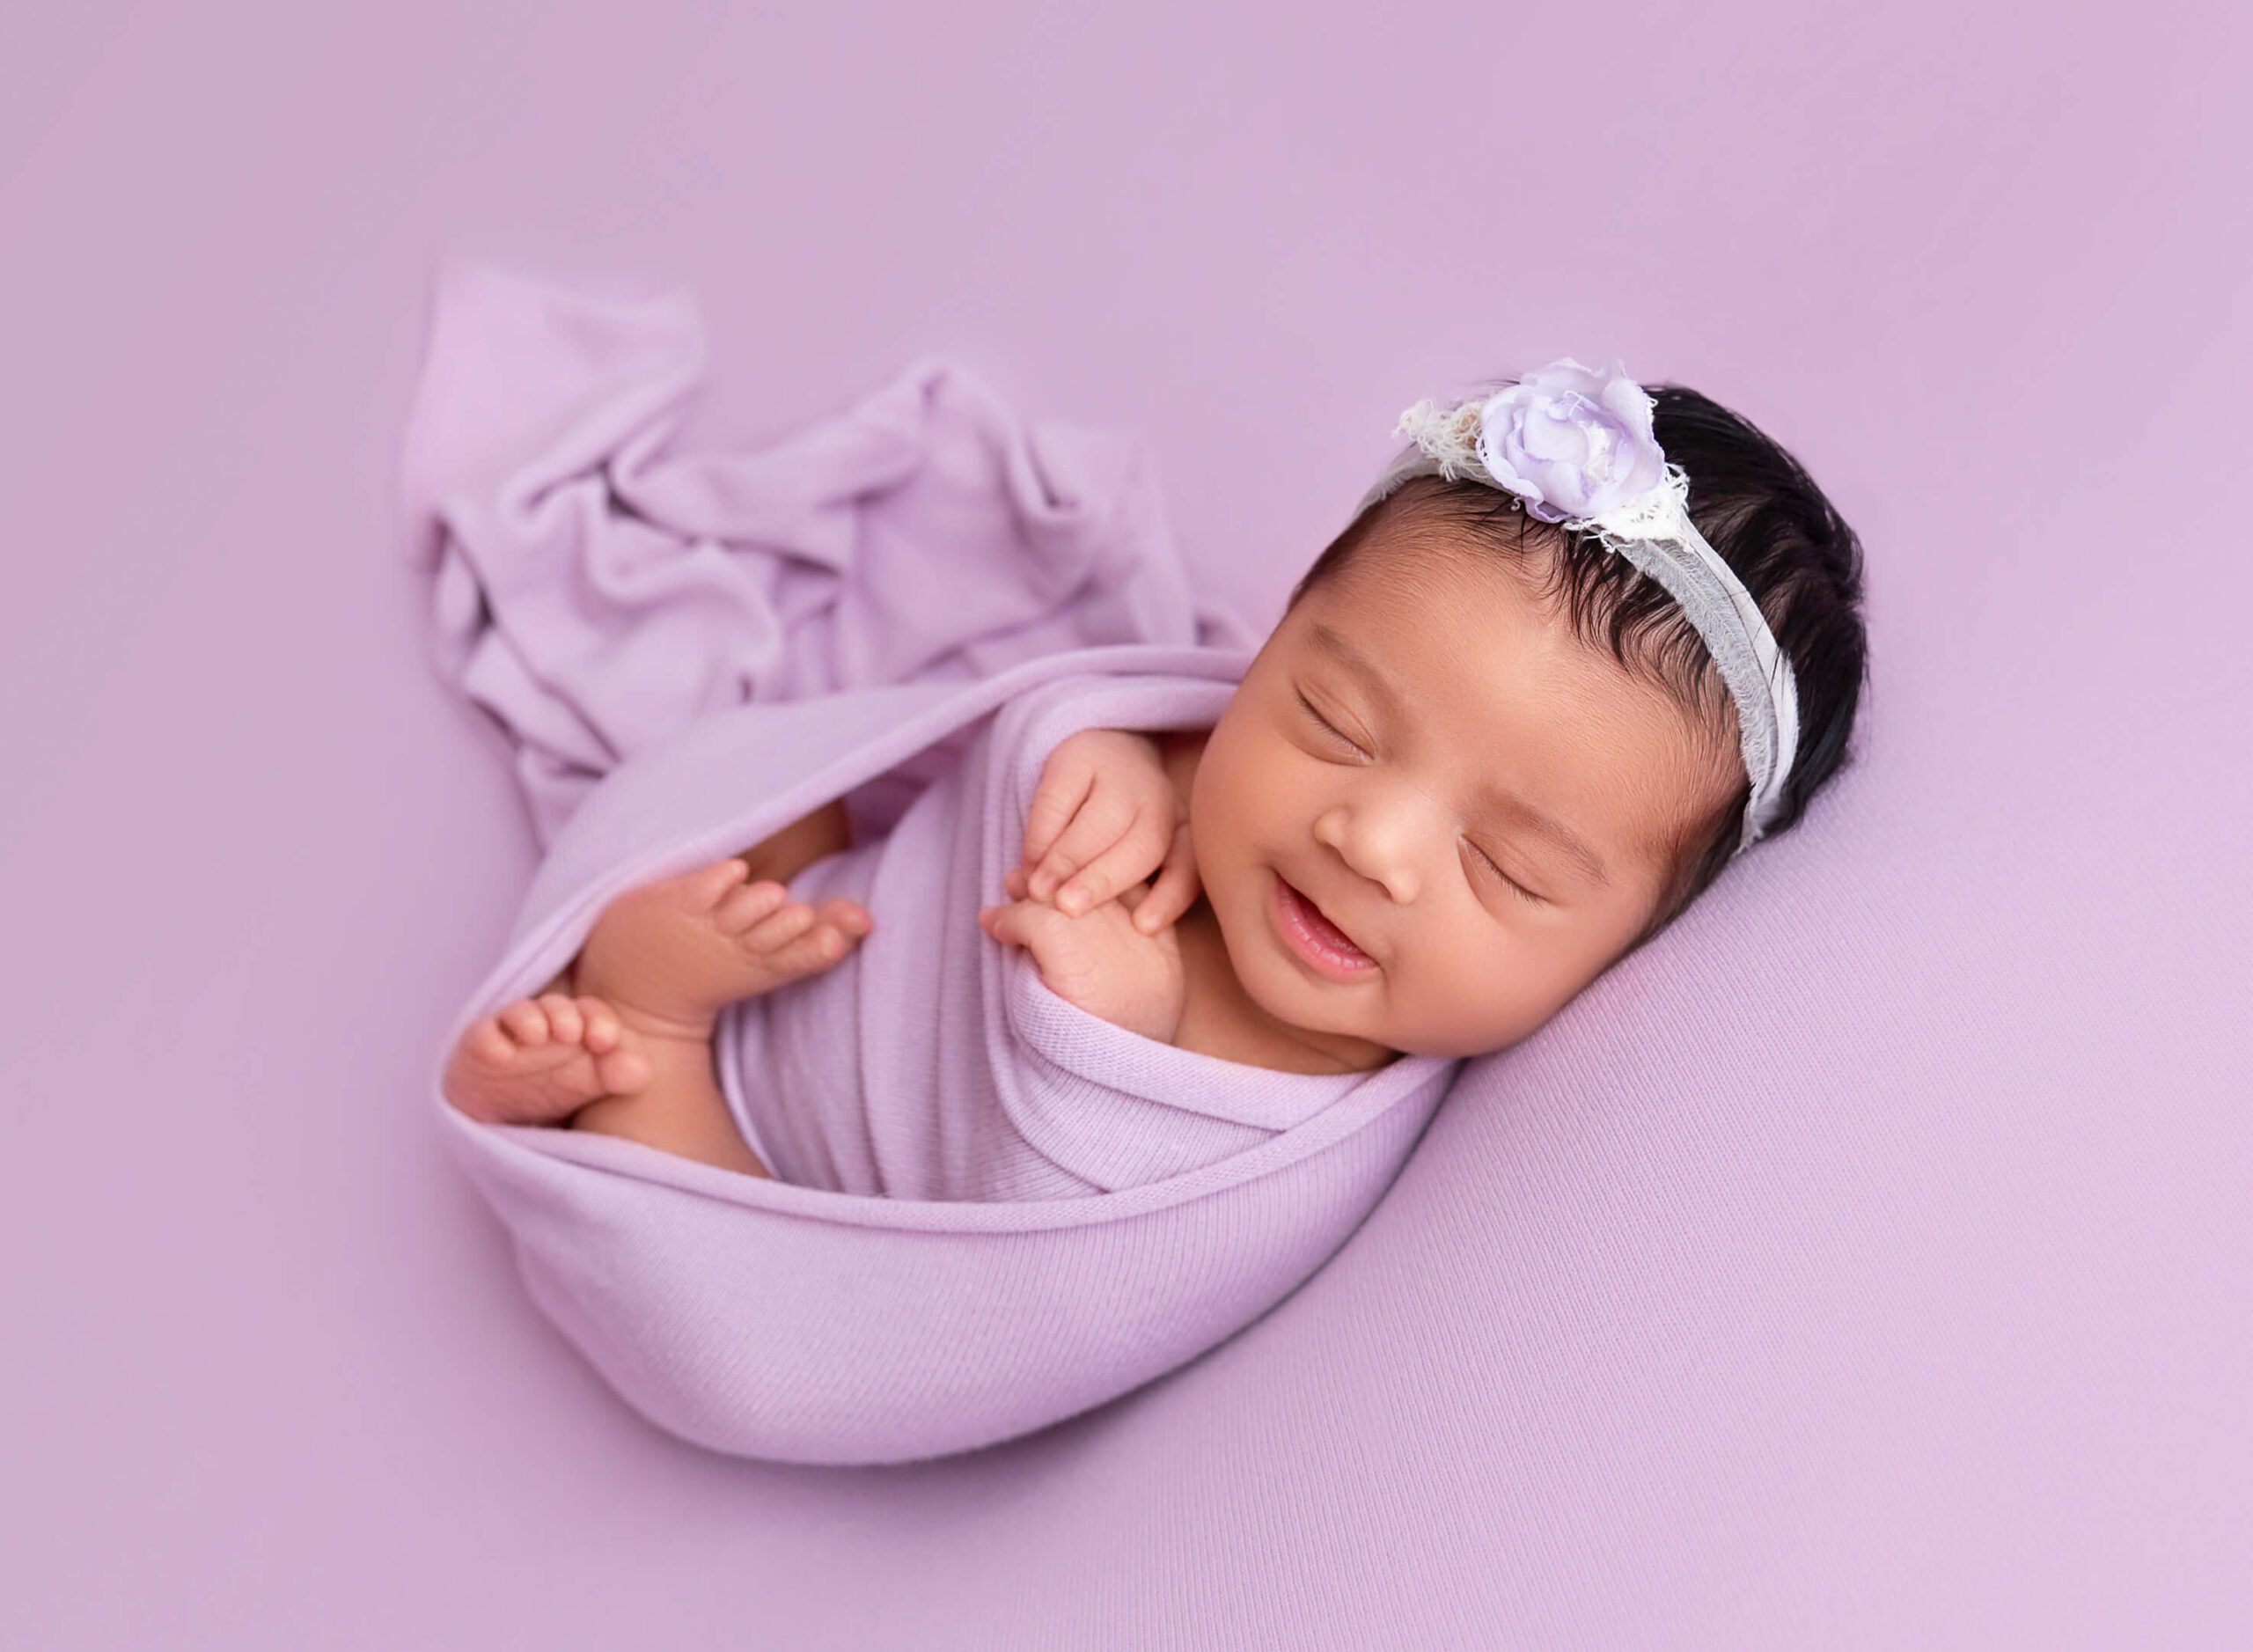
[1762,513]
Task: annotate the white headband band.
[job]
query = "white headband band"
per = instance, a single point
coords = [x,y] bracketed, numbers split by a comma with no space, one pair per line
[1576,445]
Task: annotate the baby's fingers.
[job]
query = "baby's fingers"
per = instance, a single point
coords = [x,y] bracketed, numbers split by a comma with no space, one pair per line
[1108,819]
[1063,788]
[1127,862]
[1175,890]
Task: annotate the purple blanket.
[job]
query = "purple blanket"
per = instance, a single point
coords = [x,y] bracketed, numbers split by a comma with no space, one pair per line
[991,1209]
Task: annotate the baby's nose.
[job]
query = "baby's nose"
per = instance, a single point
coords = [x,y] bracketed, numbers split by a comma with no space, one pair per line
[1375,846]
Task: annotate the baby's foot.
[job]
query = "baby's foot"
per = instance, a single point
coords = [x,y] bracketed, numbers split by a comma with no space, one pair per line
[539,1060]
[670,955]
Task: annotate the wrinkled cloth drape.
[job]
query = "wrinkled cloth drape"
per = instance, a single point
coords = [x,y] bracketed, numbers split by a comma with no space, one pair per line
[990,1210]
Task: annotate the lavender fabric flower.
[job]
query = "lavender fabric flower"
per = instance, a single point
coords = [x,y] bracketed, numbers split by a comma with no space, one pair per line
[1571,441]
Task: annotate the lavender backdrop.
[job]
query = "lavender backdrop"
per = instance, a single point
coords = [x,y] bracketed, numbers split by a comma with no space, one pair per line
[1918,1318]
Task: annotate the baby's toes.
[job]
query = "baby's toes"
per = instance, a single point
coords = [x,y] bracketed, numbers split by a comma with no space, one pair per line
[839,925]
[779,930]
[602,1031]
[489,1042]
[621,1063]
[624,1070]
[752,903]
[708,886]
[565,1024]
[798,941]
[536,1060]
[525,1022]
[816,949]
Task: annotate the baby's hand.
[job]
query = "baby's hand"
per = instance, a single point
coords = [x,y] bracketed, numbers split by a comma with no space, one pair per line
[1104,817]
[1101,961]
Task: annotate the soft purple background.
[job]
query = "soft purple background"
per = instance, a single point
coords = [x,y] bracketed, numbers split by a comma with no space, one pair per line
[1938,1337]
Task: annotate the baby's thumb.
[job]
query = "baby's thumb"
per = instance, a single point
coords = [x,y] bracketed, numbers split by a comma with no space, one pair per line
[1018,922]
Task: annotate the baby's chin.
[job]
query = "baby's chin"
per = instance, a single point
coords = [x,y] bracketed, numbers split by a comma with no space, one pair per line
[1320,1013]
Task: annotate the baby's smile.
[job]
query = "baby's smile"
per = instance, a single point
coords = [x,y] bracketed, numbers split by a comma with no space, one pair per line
[1323,945]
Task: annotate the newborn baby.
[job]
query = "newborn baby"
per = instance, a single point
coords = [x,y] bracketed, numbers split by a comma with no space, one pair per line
[1481,758]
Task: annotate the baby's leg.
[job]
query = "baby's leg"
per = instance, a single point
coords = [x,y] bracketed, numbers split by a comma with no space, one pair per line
[680,1109]
[668,957]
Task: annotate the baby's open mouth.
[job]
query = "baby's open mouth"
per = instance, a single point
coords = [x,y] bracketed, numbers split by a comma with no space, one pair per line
[1321,943]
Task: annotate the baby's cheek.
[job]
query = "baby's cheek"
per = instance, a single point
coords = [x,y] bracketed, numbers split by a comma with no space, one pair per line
[1440,996]
[1226,801]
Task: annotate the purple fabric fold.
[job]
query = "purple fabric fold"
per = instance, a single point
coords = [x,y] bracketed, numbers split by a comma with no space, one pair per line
[990,1210]
[597,590]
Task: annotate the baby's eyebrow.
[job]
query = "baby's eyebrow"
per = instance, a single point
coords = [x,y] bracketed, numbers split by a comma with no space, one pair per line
[1334,642]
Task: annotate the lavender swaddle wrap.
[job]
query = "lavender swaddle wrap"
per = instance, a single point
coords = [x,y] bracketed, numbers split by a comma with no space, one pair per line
[990,1210]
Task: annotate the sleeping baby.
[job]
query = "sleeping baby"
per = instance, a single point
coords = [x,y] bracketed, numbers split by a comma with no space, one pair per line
[1581,645]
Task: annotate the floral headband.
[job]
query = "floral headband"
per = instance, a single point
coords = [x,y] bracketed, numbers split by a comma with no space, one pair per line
[1576,445]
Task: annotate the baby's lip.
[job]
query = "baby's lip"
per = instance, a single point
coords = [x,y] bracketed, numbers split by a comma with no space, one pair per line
[1325,911]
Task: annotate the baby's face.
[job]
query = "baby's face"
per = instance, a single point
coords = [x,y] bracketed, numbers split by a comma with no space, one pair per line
[1414,828]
